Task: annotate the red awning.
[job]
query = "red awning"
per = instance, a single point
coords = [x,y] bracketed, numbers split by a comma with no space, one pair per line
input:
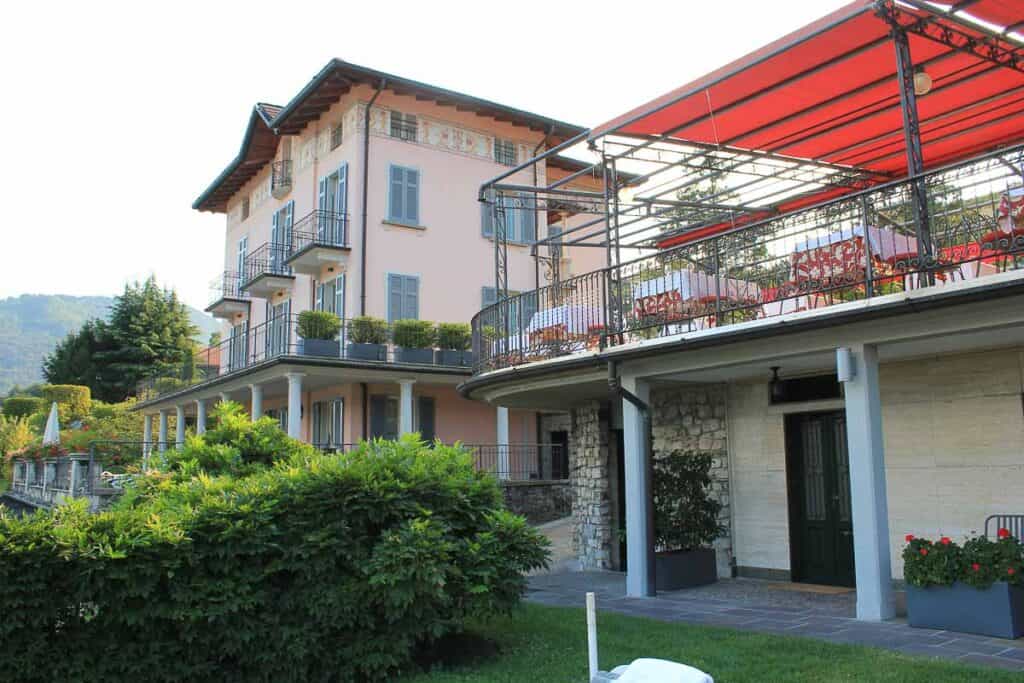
[828,93]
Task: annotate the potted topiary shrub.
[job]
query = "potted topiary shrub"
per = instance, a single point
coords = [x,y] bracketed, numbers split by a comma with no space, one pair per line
[685,521]
[414,341]
[453,340]
[318,334]
[971,588]
[368,338]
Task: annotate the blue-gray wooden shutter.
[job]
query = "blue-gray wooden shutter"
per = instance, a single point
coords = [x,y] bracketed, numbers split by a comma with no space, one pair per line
[427,410]
[322,224]
[403,297]
[318,299]
[339,223]
[396,194]
[339,296]
[412,196]
[528,218]
[486,220]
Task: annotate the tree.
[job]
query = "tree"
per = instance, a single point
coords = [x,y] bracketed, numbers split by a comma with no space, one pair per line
[149,333]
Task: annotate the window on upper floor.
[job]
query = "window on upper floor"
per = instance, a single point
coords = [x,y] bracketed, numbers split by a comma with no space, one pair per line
[245,208]
[243,251]
[505,152]
[519,215]
[404,195]
[336,135]
[403,297]
[403,126]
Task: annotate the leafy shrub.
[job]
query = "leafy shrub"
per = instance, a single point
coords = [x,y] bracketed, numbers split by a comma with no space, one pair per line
[22,406]
[413,334]
[318,325]
[234,445]
[685,516]
[320,568]
[366,329]
[166,385]
[453,336]
[15,434]
[979,562]
[73,401]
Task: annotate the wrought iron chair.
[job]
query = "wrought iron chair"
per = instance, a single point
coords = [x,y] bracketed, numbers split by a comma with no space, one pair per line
[1014,523]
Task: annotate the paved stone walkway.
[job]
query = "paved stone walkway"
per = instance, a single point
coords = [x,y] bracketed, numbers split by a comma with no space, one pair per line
[767,606]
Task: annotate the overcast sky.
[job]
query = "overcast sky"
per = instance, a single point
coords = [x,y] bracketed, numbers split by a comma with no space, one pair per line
[117,115]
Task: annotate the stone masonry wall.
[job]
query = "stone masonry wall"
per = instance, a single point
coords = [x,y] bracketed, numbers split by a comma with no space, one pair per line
[693,417]
[590,483]
[538,501]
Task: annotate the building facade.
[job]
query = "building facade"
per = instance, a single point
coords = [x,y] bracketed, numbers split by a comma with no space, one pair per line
[828,301]
[359,197]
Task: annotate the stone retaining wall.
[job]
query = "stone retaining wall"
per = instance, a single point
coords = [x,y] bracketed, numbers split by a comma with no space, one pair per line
[538,501]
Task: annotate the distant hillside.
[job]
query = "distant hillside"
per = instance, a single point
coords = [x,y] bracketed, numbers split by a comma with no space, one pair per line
[32,324]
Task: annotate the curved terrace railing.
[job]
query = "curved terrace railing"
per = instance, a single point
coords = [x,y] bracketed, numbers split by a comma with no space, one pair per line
[359,341]
[857,247]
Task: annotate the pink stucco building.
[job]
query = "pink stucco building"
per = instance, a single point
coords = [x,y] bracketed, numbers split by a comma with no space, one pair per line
[360,197]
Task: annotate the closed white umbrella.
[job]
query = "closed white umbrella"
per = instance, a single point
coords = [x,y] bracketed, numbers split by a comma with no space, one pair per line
[51,436]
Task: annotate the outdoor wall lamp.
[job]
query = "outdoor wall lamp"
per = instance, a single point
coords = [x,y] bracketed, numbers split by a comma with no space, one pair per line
[775,387]
[922,82]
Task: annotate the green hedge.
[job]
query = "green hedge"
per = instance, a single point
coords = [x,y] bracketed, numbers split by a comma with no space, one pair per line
[73,401]
[324,568]
[22,406]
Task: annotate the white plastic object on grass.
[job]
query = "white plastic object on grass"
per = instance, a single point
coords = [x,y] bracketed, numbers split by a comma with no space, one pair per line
[662,671]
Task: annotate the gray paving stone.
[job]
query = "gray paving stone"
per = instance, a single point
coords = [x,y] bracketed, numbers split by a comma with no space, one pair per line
[992,660]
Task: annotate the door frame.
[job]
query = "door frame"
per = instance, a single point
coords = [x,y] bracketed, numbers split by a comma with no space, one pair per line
[795,470]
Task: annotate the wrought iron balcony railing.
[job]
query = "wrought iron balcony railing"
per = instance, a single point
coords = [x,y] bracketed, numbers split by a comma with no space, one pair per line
[267,259]
[227,286]
[861,246]
[281,178]
[320,228]
[358,341]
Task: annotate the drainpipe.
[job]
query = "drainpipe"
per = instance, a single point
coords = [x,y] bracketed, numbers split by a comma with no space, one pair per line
[620,392]
[366,180]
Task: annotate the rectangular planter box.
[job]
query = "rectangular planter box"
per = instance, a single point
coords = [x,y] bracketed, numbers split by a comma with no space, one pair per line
[330,348]
[418,356]
[357,351]
[684,569]
[452,358]
[994,611]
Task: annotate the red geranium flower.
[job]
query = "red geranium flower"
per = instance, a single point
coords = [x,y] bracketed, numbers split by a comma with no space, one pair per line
[945,540]
[1003,533]
[924,551]
[1011,571]
[908,538]
[976,566]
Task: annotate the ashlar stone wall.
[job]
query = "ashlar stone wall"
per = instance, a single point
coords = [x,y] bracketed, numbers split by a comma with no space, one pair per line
[694,417]
[590,480]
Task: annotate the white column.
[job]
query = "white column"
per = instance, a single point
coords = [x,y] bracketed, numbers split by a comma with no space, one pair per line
[147,441]
[870,507]
[200,416]
[257,401]
[294,404]
[639,525]
[503,450]
[162,438]
[405,406]
[179,427]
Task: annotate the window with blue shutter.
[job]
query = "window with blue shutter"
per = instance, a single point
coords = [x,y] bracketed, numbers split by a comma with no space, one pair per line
[404,195]
[403,297]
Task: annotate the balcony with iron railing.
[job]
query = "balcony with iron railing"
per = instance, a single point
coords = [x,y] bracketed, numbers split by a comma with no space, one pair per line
[281,178]
[364,342]
[319,239]
[266,271]
[862,246]
[227,298]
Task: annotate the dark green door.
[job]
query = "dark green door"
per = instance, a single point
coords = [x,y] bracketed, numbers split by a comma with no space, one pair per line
[818,469]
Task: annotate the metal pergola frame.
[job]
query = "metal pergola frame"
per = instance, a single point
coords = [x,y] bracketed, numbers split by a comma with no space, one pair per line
[689,188]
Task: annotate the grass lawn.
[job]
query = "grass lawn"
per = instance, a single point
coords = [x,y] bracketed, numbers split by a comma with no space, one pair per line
[548,644]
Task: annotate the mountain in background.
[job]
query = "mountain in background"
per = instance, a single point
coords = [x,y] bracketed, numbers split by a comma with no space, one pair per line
[32,324]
